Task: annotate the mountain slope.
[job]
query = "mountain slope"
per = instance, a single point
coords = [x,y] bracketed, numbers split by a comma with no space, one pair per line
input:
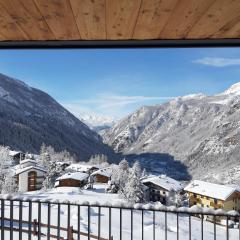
[30,117]
[200,131]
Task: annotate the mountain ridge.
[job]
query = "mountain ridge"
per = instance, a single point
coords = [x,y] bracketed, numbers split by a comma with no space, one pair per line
[30,117]
[200,131]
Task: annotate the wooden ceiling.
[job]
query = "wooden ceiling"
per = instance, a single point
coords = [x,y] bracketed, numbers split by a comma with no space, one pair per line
[118,19]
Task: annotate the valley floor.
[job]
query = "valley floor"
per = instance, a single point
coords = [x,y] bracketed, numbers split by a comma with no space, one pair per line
[98,194]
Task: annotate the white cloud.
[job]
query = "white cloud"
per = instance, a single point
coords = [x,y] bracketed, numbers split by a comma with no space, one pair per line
[218,62]
[109,105]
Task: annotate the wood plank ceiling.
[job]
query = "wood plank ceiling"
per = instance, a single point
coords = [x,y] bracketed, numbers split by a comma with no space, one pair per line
[118,19]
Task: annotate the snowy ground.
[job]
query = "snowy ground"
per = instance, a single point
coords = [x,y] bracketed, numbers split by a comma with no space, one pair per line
[72,194]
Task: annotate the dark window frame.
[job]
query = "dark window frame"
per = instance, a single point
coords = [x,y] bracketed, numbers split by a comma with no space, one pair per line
[78,44]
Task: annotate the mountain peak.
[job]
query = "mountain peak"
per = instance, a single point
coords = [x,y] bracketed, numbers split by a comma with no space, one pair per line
[234,89]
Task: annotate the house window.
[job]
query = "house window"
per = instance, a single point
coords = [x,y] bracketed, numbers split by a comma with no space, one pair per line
[195,195]
[32,176]
[163,192]
[215,201]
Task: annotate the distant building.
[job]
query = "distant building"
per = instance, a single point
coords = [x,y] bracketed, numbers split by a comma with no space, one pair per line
[29,175]
[102,175]
[76,179]
[16,156]
[162,188]
[82,168]
[211,195]
[63,165]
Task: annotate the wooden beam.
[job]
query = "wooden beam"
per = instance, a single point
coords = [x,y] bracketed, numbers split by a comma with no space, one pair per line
[8,27]
[183,17]
[121,17]
[90,18]
[26,15]
[59,17]
[218,15]
[229,30]
[152,18]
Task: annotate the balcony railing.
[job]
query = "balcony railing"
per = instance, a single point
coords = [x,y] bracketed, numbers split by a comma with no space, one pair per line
[35,219]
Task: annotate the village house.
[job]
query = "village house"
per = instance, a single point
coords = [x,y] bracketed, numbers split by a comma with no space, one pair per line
[29,175]
[75,179]
[85,168]
[211,195]
[162,188]
[102,175]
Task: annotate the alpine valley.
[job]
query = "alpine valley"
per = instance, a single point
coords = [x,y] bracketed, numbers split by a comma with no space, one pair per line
[194,136]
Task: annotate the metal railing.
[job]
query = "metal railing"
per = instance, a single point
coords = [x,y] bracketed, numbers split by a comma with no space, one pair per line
[35,219]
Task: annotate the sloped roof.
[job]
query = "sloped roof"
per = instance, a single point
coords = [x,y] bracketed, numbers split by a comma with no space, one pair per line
[80,167]
[76,176]
[217,191]
[21,170]
[107,172]
[164,182]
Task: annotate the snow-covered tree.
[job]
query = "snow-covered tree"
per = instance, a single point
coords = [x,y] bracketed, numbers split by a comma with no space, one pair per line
[48,159]
[120,177]
[4,160]
[99,159]
[9,184]
[134,188]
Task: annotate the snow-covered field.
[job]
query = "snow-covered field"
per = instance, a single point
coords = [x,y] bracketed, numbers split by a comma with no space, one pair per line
[73,194]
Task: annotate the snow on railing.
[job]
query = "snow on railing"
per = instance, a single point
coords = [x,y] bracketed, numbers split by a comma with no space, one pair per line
[126,205]
[94,220]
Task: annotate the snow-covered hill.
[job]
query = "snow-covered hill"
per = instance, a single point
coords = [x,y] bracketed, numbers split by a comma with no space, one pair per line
[30,117]
[202,132]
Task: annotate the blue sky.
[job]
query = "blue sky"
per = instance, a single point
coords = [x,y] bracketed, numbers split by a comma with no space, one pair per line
[116,82]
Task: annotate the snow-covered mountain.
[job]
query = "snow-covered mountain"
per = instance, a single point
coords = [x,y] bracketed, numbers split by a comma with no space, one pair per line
[97,122]
[200,132]
[30,117]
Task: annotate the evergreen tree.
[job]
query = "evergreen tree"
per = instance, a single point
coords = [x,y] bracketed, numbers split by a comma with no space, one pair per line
[134,188]
[9,184]
[4,160]
[120,177]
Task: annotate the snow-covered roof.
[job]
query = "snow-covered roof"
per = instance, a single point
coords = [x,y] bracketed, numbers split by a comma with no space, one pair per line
[62,163]
[21,170]
[107,172]
[13,153]
[28,161]
[76,176]
[80,167]
[212,190]
[165,182]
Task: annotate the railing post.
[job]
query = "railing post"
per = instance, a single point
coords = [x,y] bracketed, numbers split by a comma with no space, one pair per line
[11,219]
[70,233]
[20,218]
[29,220]
[2,219]
[35,227]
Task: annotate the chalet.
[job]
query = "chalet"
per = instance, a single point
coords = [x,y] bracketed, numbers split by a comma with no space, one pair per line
[161,188]
[76,179]
[211,195]
[102,175]
[76,167]
[29,176]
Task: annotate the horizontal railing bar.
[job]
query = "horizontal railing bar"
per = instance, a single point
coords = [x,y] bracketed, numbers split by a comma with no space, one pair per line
[189,212]
[27,231]
[51,226]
